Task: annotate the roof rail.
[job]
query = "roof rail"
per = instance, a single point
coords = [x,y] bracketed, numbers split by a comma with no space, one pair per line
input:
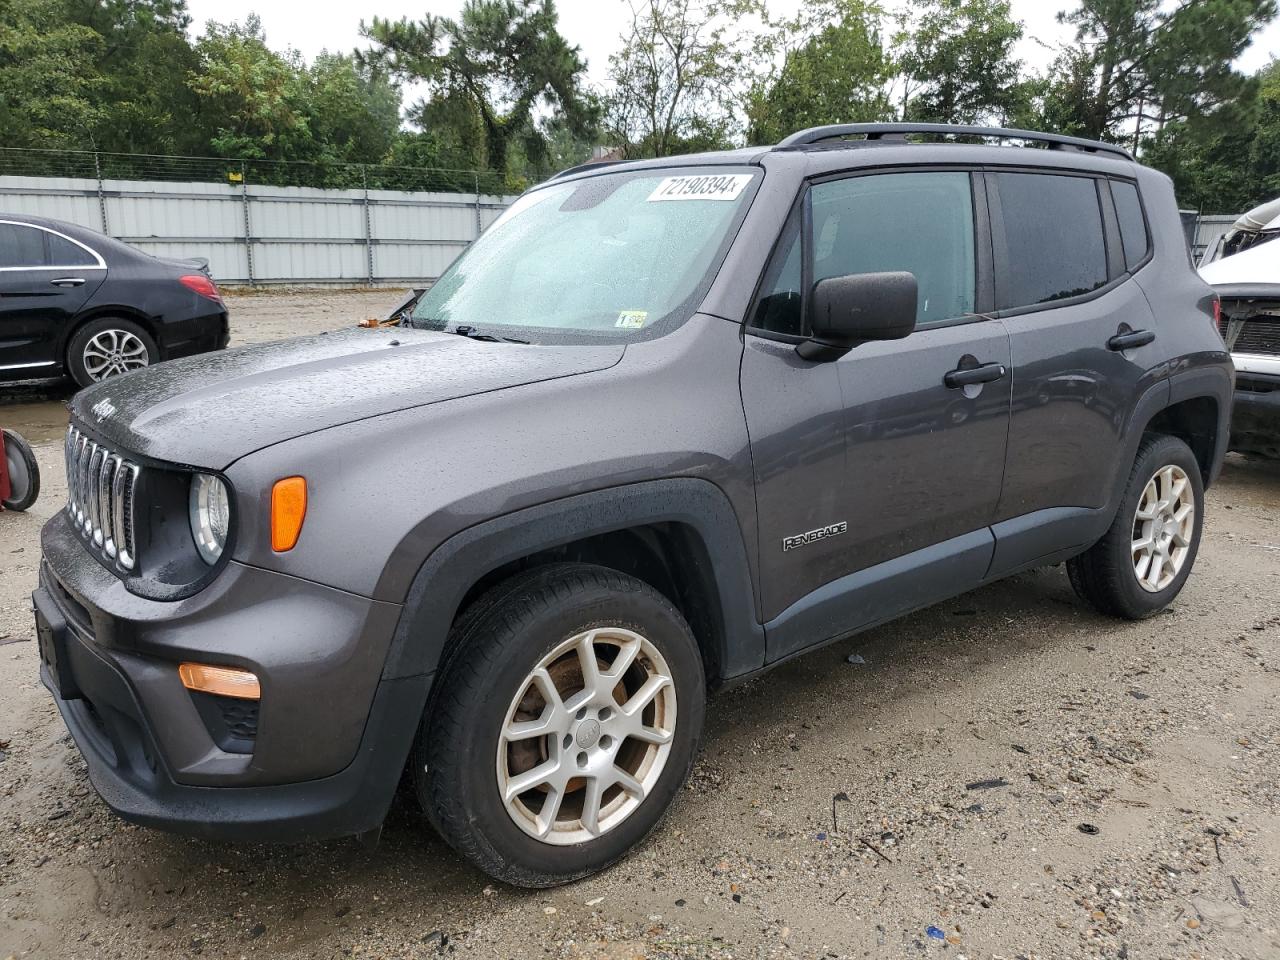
[900,131]
[590,164]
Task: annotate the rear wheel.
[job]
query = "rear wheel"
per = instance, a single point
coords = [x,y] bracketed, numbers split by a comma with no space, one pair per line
[567,721]
[1143,560]
[108,347]
[24,472]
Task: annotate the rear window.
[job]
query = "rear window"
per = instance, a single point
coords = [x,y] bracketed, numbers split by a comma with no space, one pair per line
[1055,245]
[1133,226]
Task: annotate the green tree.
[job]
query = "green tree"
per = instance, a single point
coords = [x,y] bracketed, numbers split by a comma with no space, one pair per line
[257,95]
[1142,61]
[676,80]
[498,63]
[353,112]
[49,84]
[835,69]
[142,62]
[957,61]
[1224,170]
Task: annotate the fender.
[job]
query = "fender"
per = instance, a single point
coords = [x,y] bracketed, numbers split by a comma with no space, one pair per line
[1216,381]
[452,568]
[1152,401]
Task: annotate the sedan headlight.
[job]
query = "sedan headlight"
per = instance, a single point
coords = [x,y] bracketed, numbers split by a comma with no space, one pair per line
[210,516]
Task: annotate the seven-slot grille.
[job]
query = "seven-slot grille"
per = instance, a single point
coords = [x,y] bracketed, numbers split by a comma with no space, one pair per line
[100,487]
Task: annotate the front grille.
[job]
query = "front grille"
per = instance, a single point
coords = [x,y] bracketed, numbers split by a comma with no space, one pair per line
[1258,335]
[100,491]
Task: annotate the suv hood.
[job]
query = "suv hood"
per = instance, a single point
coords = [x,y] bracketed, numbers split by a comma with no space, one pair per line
[209,410]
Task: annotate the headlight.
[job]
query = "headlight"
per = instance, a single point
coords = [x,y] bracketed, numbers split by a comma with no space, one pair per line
[210,516]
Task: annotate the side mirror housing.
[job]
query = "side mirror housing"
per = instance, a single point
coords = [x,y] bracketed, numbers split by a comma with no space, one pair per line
[859,307]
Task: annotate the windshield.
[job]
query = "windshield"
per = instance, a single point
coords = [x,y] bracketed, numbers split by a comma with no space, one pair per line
[620,256]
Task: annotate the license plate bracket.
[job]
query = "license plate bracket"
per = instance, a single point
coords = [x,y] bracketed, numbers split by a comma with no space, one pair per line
[51,634]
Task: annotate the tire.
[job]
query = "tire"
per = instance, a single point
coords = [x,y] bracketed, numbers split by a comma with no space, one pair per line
[1107,576]
[107,347]
[459,766]
[24,472]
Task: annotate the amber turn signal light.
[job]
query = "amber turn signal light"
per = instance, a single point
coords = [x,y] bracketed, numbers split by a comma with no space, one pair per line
[288,510]
[221,681]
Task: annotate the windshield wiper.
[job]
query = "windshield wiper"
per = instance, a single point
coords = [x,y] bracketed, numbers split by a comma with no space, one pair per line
[472,333]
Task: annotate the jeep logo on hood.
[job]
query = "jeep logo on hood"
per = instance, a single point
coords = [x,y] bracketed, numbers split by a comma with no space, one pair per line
[103,409]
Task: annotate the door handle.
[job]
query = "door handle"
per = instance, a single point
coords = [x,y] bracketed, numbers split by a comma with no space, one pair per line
[967,377]
[67,281]
[1134,338]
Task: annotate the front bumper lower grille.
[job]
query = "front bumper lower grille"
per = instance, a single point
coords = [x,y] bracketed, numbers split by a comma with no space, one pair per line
[100,500]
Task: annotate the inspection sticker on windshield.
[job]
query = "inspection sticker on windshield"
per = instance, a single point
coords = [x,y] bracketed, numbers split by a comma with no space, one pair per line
[632,319]
[722,186]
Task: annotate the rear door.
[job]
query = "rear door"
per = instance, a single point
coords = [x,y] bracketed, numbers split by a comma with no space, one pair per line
[877,470]
[45,280]
[1081,335]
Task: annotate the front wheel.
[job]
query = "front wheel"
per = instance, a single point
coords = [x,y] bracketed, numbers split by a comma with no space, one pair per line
[1143,560]
[567,721]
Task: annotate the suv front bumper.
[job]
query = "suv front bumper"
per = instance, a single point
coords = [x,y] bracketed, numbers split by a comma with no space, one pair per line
[332,737]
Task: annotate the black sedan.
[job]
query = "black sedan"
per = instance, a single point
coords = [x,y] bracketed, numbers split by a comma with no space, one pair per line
[74,302]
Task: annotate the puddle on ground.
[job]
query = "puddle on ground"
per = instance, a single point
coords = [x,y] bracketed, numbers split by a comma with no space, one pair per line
[38,411]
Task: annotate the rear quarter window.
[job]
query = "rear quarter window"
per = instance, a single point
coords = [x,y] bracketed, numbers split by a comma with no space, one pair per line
[1055,247]
[1133,225]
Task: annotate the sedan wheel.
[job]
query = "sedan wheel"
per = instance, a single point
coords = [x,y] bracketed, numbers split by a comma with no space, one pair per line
[110,352]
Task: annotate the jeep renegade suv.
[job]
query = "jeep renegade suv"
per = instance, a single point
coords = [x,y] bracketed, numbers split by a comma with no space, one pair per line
[666,424]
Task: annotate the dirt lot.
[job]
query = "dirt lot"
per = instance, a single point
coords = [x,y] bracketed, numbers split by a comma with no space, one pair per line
[839,809]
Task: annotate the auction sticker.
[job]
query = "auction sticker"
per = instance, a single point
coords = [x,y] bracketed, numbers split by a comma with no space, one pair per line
[715,186]
[632,319]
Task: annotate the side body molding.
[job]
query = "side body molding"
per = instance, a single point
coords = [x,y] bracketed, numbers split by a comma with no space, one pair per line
[697,505]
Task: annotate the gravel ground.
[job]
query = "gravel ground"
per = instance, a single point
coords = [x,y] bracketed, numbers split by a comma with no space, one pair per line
[1005,775]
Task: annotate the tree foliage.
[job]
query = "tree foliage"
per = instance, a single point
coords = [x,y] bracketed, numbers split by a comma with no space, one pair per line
[957,62]
[835,68]
[676,79]
[504,89]
[1137,61]
[496,65]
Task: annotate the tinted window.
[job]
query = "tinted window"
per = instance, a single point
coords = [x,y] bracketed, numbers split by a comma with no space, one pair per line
[1133,228]
[64,253]
[779,307]
[1054,239]
[21,246]
[918,222]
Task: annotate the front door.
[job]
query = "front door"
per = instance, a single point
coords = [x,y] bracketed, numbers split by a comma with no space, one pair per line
[877,475]
[45,279]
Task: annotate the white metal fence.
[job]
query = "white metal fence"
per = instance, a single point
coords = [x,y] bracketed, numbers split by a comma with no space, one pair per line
[260,234]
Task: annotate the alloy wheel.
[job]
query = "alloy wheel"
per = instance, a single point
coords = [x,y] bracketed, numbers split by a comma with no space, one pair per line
[586,736]
[110,352]
[1163,526]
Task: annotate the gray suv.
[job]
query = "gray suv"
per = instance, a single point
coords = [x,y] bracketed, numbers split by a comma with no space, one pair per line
[665,425]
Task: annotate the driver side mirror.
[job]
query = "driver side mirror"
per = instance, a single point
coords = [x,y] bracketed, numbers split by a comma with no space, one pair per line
[859,307]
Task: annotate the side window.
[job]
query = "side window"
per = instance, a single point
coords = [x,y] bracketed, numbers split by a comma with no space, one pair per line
[778,309]
[1133,227]
[21,246]
[918,222]
[64,253]
[1055,245]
